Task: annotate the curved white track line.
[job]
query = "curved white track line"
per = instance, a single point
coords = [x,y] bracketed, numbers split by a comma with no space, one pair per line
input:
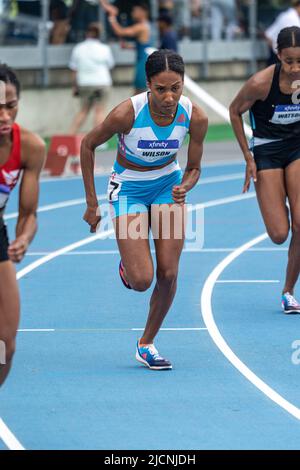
[62,251]
[215,164]
[8,438]
[101,197]
[5,434]
[206,307]
[57,205]
[221,178]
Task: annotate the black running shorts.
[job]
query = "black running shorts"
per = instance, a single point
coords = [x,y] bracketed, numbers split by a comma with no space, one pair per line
[276,154]
[3,244]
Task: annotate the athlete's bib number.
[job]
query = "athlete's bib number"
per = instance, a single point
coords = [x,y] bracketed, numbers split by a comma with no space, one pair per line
[113,190]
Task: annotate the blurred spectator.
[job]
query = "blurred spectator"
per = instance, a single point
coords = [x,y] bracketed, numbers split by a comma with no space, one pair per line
[3,21]
[181,14]
[223,19]
[196,6]
[30,7]
[125,7]
[3,6]
[141,32]
[290,17]
[59,17]
[165,7]
[168,37]
[82,13]
[196,19]
[90,62]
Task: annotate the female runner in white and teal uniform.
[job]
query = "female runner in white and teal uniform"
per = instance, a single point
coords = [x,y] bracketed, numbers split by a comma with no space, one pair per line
[273,161]
[146,177]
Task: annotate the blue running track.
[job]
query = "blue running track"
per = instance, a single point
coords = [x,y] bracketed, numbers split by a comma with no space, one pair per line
[75,383]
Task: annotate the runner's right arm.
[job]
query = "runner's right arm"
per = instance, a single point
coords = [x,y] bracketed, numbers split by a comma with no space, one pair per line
[119,121]
[256,88]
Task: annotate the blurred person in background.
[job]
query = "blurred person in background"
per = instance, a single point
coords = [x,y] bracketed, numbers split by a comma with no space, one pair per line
[223,19]
[140,31]
[168,36]
[90,62]
[166,7]
[59,15]
[82,13]
[290,17]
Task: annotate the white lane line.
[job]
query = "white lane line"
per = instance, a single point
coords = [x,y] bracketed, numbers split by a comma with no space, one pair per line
[45,259]
[85,241]
[54,179]
[229,250]
[61,251]
[79,201]
[77,253]
[57,205]
[8,438]
[214,164]
[185,250]
[224,200]
[173,329]
[97,330]
[36,330]
[221,178]
[220,163]
[207,314]
[247,281]
[5,434]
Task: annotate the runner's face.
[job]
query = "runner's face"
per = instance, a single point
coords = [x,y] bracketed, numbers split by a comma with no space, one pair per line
[290,60]
[8,107]
[166,90]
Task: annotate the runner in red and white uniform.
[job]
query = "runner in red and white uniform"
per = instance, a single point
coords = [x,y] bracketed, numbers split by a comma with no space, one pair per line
[22,155]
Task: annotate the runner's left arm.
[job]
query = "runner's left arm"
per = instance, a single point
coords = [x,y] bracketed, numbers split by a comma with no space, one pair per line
[198,129]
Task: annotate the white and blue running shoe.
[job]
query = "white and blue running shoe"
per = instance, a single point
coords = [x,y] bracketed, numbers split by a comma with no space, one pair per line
[149,356]
[289,303]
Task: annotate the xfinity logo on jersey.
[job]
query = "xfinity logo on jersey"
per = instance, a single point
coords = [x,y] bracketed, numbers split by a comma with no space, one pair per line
[156,149]
[158,144]
[286,114]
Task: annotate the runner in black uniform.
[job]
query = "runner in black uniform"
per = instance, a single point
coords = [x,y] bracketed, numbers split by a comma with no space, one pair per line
[273,98]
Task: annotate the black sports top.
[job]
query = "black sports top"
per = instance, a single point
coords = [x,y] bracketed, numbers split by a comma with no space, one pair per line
[277,117]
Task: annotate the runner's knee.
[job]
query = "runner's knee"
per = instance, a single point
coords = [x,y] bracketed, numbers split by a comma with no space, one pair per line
[296,227]
[167,276]
[141,283]
[278,236]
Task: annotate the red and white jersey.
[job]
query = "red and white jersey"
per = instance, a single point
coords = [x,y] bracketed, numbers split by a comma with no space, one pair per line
[10,171]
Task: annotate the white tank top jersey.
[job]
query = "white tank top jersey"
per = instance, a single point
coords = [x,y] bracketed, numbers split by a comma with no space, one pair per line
[148,144]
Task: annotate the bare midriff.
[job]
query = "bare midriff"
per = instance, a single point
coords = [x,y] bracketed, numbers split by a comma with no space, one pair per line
[132,166]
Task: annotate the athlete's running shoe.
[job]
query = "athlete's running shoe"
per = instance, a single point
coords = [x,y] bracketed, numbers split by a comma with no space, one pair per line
[121,272]
[149,356]
[290,304]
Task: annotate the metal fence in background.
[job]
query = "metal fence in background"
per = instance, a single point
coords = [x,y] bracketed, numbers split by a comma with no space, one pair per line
[211,30]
